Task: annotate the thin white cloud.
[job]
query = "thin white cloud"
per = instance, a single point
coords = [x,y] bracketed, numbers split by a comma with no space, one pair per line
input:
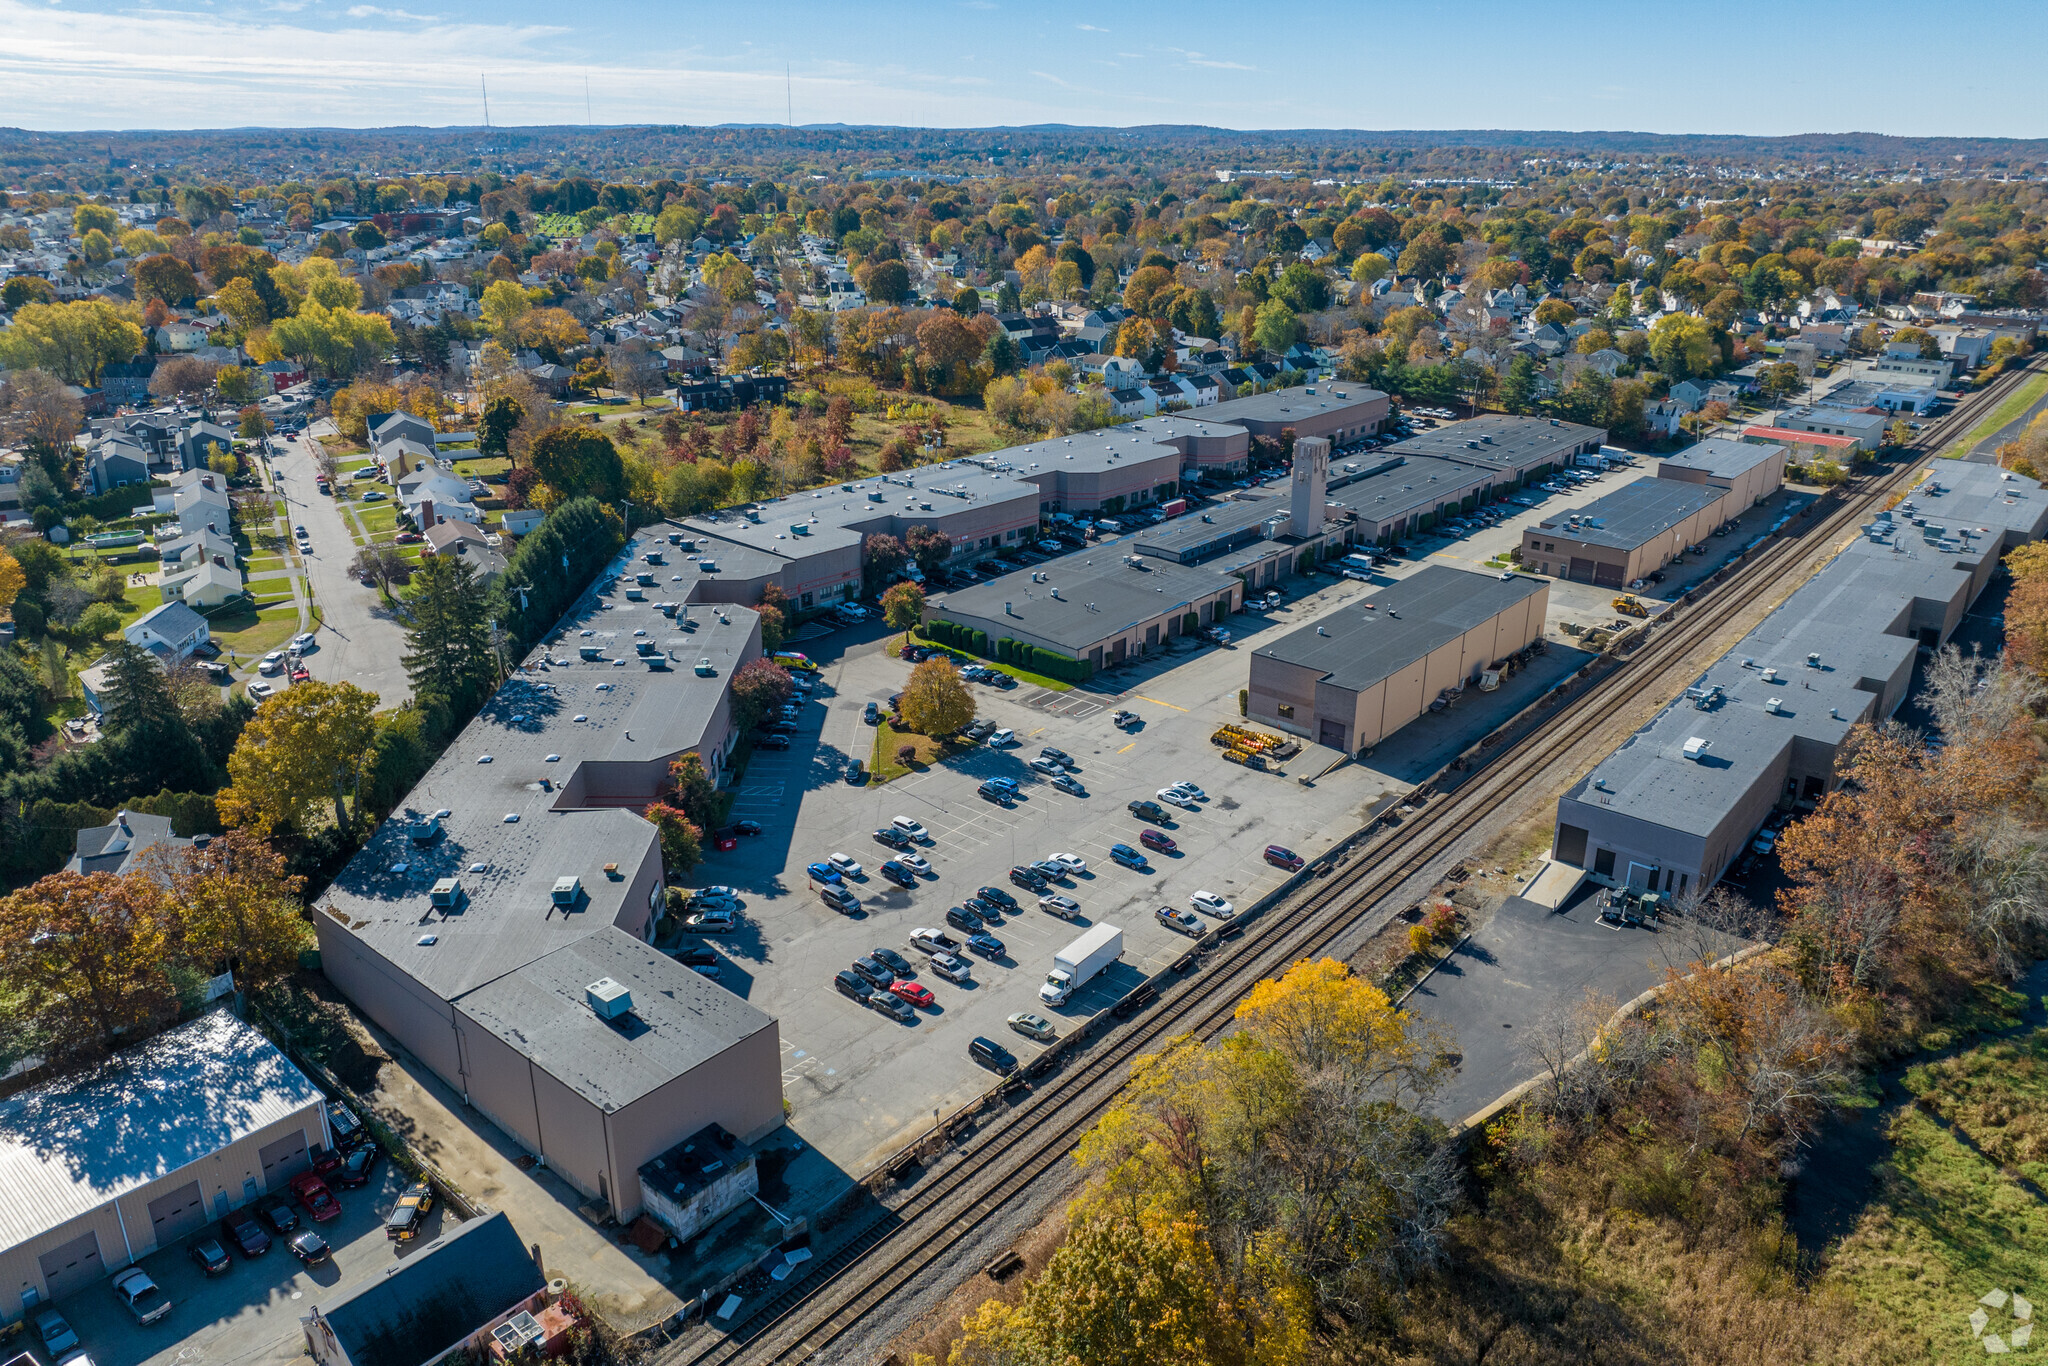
[379,12]
[1090,28]
[1048,76]
[1200,59]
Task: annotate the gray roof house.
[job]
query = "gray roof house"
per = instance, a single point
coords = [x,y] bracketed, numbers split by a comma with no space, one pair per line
[118,848]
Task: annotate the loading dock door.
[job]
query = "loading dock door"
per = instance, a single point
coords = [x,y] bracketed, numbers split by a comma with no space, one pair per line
[1582,570]
[177,1214]
[284,1160]
[73,1266]
[1607,575]
[1331,734]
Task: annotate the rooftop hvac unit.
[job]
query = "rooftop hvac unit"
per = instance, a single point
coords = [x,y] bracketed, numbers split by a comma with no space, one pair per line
[800,529]
[608,999]
[567,889]
[1774,705]
[446,892]
[1695,748]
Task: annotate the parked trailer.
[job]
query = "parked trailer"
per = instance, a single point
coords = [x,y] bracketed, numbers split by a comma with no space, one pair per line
[1074,966]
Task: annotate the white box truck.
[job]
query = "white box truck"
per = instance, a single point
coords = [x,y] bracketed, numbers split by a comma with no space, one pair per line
[1077,964]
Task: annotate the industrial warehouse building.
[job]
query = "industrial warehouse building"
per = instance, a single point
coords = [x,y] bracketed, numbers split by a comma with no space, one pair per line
[809,544]
[518,873]
[103,1168]
[1515,449]
[1101,608]
[1358,675]
[1749,471]
[1675,805]
[1620,537]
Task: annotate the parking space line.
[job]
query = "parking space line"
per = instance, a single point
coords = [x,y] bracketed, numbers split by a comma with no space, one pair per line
[1130,746]
[1157,703]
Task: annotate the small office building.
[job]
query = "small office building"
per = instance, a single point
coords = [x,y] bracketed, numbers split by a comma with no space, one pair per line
[1616,539]
[103,1168]
[1863,430]
[1677,803]
[1749,471]
[1358,675]
[1094,605]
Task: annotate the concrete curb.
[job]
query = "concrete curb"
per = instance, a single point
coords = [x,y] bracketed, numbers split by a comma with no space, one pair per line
[1484,1116]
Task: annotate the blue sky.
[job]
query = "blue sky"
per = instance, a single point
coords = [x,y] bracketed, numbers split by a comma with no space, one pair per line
[1738,67]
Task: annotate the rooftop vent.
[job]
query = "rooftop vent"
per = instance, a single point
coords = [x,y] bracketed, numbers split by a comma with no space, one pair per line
[567,889]
[1775,705]
[608,999]
[1695,748]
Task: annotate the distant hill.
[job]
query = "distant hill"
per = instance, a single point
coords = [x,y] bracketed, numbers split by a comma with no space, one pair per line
[838,149]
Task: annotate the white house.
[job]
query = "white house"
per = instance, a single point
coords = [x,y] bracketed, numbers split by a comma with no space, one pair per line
[430,494]
[206,584]
[200,500]
[170,632]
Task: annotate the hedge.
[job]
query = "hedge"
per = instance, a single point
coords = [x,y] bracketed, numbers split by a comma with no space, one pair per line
[1020,654]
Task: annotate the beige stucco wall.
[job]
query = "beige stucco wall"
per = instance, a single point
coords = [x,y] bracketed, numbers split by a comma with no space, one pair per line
[740,1088]
[401,1006]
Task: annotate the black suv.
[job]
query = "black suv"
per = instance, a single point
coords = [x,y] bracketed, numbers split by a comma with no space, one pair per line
[1029,878]
[853,985]
[992,1055]
[874,970]
[996,896]
[893,837]
[960,918]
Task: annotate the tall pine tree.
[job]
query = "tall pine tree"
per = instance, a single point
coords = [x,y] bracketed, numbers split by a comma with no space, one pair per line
[450,660]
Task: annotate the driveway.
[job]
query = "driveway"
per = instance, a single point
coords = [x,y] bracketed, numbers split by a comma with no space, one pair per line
[250,1312]
[360,639]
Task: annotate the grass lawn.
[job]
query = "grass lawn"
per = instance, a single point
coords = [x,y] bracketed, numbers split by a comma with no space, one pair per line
[279,583]
[264,564]
[378,517]
[883,763]
[249,635]
[2017,403]
[1958,1211]
[481,466]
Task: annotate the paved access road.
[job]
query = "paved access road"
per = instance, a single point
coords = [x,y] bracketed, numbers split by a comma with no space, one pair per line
[360,639]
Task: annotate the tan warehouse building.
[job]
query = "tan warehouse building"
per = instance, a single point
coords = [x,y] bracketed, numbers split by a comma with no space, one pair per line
[1358,675]
[1617,539]
[102,1169]
[496,924]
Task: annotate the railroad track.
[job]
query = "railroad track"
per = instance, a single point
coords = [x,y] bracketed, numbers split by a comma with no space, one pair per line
[1006,1156]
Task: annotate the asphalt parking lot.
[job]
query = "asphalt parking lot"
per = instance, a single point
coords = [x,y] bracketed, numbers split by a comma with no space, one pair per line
[251,1311]
[862,1085]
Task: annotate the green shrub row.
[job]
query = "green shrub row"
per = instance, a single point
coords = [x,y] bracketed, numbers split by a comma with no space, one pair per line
[1038,660]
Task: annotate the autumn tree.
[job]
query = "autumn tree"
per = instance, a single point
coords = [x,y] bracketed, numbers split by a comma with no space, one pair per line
[931,548]
[758,688]
[903,606]
[693,790]
[86,956]
[313,743]
[935,700]
[165,277]
[682,845]
[575,461]
[234,901]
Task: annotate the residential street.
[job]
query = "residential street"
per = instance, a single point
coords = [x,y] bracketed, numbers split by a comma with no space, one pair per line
[360,639]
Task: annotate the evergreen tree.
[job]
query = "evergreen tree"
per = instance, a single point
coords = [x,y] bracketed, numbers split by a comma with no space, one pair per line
[449,660]
[137,692]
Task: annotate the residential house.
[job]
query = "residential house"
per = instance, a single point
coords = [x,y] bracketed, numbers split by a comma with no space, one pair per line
[121,847]
[1133,402]
[207,583]
[431,495]
[1691,393]
[188,548]
[1662,418]
[520,521]
[551,379]
[114,461]
[477,548]
[200,441]
[1606,360]
[282,374]
[1827,339]
[383,427]
[199,499]
[171,632]
[1967,347]
[128,381]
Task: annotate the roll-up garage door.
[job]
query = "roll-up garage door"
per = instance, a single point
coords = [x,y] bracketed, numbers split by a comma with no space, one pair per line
[1582,570]
[177,1214]
[1608,576]
[284,1160]
[73,1266]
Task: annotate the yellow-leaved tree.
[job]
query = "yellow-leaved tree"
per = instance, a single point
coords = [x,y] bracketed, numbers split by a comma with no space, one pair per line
[1284,1173]
[935,701]
[313,743]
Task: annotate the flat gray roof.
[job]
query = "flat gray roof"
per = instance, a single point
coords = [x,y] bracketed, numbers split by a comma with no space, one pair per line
[1634,513]
[679,1020]
[1357,646]
[838,516]
[1106,448]
[1845,613]
[1509,443]
[1285,407]
[1721,458]
[1419,481]
[71,1146]
[1099,596]
[438,1296]
[560,705]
